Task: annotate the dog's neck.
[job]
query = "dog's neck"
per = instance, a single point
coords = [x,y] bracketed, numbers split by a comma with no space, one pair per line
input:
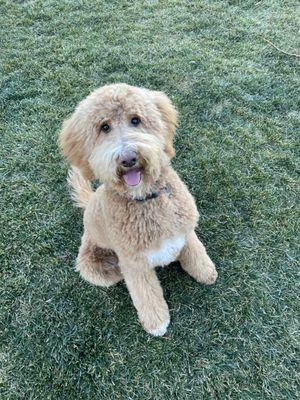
[154,194]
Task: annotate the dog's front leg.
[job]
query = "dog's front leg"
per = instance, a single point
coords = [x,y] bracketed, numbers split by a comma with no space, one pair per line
[195,261]
[147,297]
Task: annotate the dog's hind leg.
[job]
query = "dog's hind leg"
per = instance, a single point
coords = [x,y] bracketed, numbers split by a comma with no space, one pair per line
[98,265]
[195,261]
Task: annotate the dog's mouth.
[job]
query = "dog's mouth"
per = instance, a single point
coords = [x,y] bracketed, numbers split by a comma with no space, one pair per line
[132,177]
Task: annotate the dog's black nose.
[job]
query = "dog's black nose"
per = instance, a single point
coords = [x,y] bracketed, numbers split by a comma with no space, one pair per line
[128,159]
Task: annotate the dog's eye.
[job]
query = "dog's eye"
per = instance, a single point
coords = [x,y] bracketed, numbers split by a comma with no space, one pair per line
[135,121]
[105,128]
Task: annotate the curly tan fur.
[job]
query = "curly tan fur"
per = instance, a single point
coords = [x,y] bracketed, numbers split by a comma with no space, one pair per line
[125,238]
[81,188]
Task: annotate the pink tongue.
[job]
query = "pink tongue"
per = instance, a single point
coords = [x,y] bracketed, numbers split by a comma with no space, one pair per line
[132,177]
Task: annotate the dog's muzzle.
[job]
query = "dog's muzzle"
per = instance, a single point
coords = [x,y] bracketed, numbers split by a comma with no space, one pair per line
[128,159]
[130,169]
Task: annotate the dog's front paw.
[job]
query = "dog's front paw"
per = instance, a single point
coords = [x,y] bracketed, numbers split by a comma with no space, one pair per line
[159,330]
[155,322]
[207,272]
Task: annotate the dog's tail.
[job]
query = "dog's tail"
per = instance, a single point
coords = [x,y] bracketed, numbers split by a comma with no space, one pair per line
[81,189]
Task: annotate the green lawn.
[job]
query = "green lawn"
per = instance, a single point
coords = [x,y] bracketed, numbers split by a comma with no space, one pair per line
[238,99]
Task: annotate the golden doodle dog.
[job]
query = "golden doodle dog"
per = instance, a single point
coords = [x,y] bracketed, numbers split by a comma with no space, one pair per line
[142,216]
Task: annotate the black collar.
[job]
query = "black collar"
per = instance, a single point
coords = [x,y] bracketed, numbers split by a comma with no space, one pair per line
[153,195]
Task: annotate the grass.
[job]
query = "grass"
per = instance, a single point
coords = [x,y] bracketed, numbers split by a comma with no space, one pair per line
[236,144]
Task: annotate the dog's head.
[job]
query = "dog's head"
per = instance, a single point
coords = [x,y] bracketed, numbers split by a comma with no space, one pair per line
[121,135]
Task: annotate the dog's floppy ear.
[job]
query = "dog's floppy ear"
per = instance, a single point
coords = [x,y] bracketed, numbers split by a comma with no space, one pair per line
[169,116]
[72,144]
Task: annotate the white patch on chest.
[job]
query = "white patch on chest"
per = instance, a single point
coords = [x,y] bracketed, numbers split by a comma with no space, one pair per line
[167,252]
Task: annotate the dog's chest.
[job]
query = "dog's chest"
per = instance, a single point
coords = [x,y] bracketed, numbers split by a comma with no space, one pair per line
[167,252]
[156,228]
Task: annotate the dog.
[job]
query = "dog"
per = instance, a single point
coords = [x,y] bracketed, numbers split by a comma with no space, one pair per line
[142,215]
